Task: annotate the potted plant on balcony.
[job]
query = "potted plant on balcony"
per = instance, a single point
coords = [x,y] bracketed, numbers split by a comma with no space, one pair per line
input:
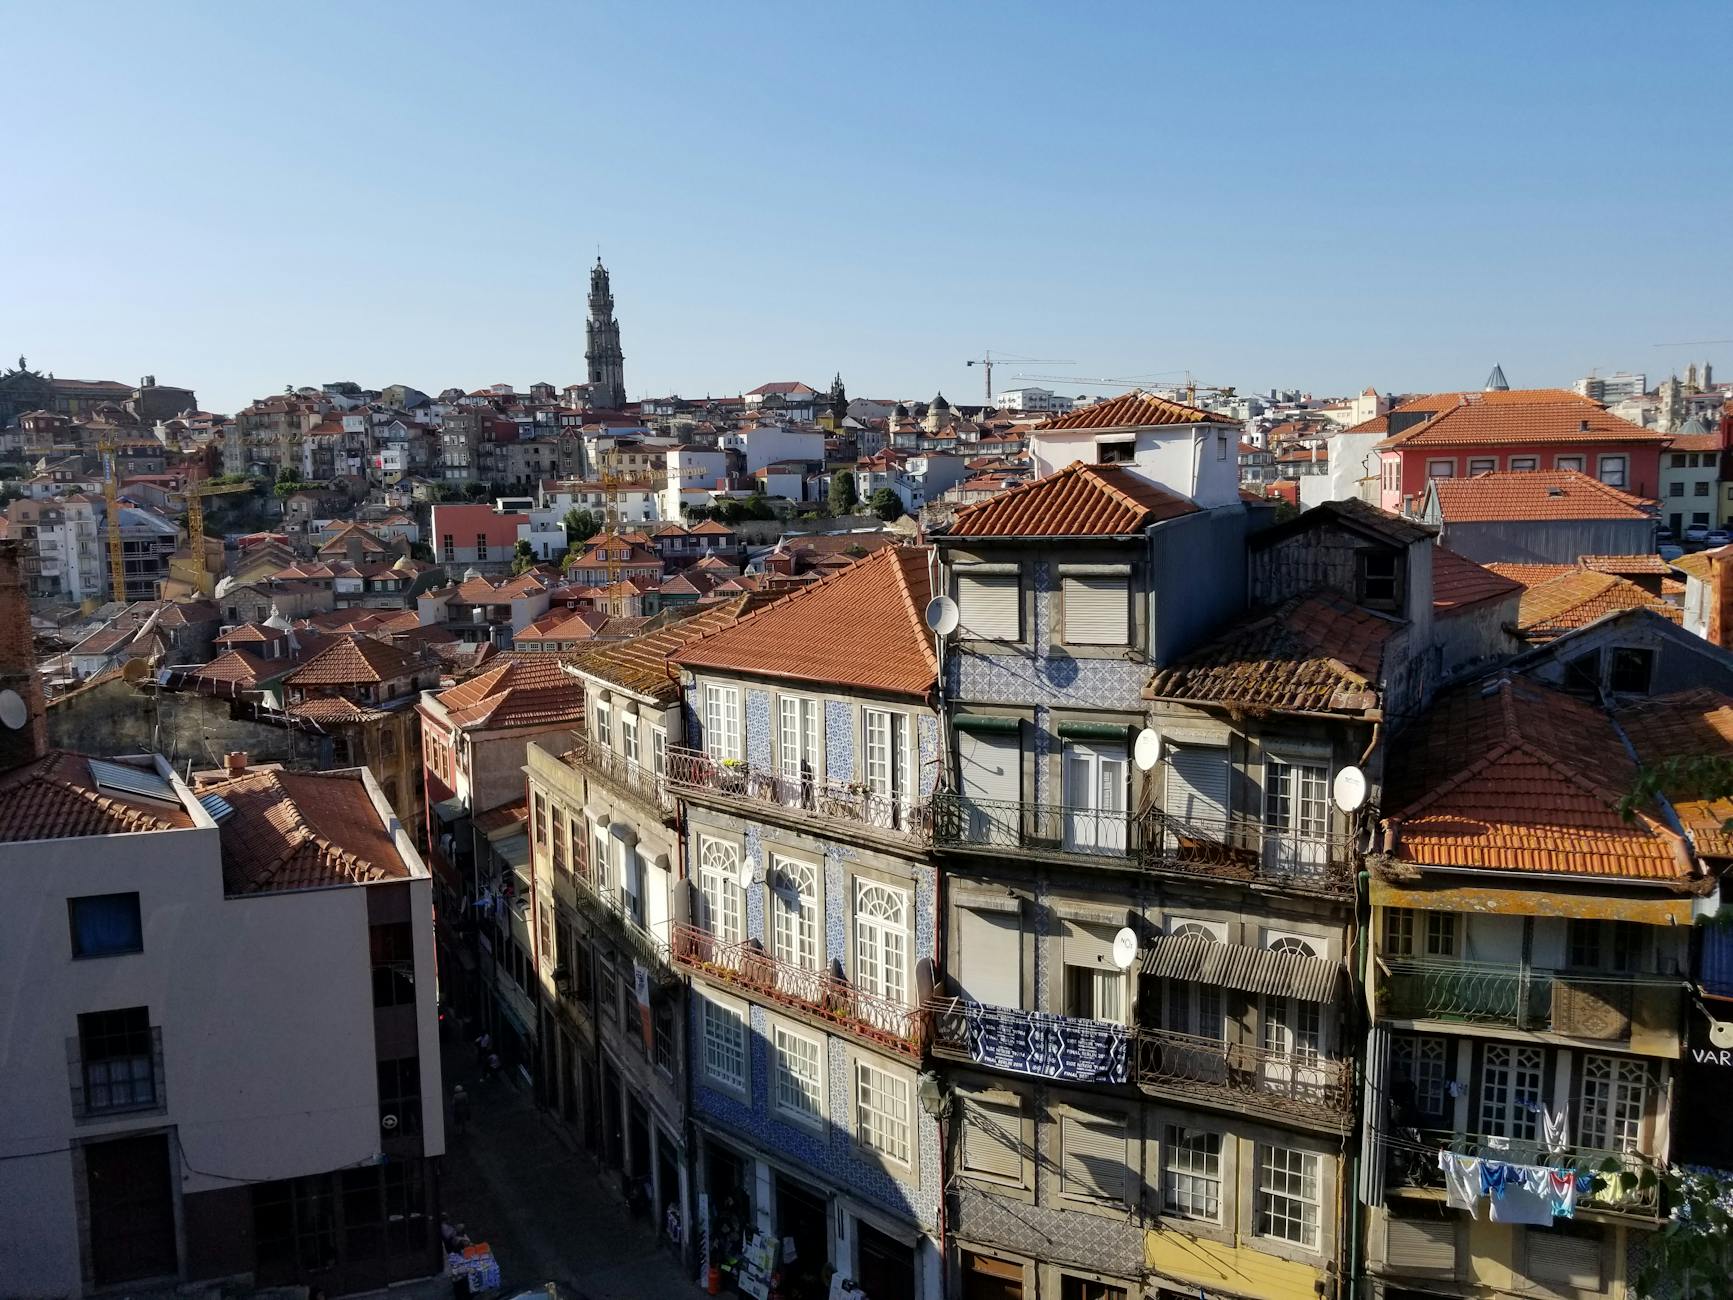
[731,776]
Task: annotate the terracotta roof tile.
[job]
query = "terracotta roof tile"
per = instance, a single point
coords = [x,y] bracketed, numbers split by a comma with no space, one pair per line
[1687,724]
[860,627]
[1530,575]
[250,634]
[57,798]
[1534,415]
[237,666]
[1577,598]
[1079,501]
[1534,494]
[1694,442]
[1317,653]
[350,660]
[1512,775]
[1648,564]
[1701,564]
[1134,410]
[1458,582]
[332,711]
[302,830]
[519,690]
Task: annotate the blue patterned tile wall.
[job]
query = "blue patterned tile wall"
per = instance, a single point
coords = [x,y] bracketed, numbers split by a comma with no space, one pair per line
[758,729]
[927,733]
[836,907]
[1043,741]
[839,740]
[755,895]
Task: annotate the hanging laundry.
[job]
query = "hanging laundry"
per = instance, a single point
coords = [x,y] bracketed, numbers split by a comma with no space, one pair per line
[1562,1193]
[1493,1176]
[1520,1205]
[1555,1129]
[1462,1189]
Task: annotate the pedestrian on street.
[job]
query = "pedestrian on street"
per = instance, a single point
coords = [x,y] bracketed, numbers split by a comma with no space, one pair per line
[459,1109]
[492,1065]
[483,1046]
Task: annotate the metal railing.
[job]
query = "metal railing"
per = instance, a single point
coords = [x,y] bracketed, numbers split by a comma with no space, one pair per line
[1036,1043]
[840,801]
[745,965]
[609,911]
[1298,1081]
[622,773]
[1582,1004]
[1234,847]
[1411,1160]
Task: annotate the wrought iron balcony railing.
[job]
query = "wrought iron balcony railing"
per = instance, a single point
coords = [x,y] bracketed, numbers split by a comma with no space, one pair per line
[1298,1082]
[819,993]
[1036,1043]
[1411,1161]
[609,911]
[1581,1004]
[628,777]
[837,801]
[1232,847]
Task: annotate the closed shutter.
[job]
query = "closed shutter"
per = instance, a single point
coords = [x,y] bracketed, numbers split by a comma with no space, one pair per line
[989,957]
[1562,1261]
[989,606]
[1421,1246]
[1088,945]
[1097,611]
[989,765]
[1197,783]
[993,1139]
[1092,1157]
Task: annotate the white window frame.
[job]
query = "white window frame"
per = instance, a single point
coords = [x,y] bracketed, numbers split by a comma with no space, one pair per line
[1511,1076]
[658,751]
[1612,1101]
[797,1076]
[882,944]
[629,738]
[1620,467]
[602,877]
[1191,1173]
[887,763]
[1578,463]
[723,901]
[603,729]
[1448,464]
[795,938]
[1289,1186]
[885,1124]
[1093,824]
[717,1051]
[722,722]
[799,743]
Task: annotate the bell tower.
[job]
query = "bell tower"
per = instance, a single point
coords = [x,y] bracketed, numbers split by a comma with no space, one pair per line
[606,363]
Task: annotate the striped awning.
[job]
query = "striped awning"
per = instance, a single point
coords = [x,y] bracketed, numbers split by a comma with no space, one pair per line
[1251,970]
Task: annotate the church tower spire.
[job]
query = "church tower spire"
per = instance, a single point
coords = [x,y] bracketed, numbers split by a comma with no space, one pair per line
[606,363]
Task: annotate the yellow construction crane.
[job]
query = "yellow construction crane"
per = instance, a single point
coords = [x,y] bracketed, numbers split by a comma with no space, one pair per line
[111,503]
[195,494]
[611,522]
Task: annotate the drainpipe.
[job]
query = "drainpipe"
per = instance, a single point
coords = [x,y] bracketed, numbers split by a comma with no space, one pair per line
[1362,890]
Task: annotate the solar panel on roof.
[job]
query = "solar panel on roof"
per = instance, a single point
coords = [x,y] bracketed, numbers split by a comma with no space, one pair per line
[218,807]
[142,783]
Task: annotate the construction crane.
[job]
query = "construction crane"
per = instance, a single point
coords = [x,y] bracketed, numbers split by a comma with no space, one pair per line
[988,361]
[1191,386]
[611,522]
[195,494]
[111,500]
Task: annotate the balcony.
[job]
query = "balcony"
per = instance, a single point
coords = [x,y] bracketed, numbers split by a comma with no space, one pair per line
[1036,1043]
[835,807]
[1232,848]
[1599,1005]
[816,994]
[1411,1164]
[608,912]
[633,780]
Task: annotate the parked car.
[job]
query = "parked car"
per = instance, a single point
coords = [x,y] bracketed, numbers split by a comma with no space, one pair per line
[1697,533]
[1664,536]
[1719,537]
[1670,553]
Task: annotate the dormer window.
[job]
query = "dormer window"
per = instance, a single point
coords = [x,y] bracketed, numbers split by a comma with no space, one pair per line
[1118,452]
[1379,580]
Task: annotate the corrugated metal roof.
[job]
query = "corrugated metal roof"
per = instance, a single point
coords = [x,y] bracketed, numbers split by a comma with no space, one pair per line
[1250,970]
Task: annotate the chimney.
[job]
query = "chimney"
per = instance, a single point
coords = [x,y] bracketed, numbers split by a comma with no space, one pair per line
[1583,425]
[235,762]
[1720,629]
[23,718]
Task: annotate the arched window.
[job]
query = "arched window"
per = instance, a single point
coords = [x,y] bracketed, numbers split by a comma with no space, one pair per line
[1192,930]
[1292,943]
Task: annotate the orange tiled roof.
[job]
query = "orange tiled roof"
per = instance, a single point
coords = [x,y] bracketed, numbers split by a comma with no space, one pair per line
[520,690]
[1700,564]
[1687,724]
[302,830]
[1512,775]
[1458,582]
[236,666]
[1317,653]
[1530,575]
[1520,416]
[1534,494]
[350,660]
[1694,442]
[1134,410]
[1648,564]
[250,634]
[57,798]
[329,710]
[1577,598]
[641,664]
[860,627]
[1079,501]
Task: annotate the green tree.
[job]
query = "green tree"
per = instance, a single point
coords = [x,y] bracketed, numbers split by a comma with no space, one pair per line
[580,525]
[843,496]
[287,488]
[1691,1257]
[522,557]
[288,474]
[887,505]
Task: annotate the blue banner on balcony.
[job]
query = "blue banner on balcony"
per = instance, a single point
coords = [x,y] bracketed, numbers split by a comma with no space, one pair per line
[1053,1047]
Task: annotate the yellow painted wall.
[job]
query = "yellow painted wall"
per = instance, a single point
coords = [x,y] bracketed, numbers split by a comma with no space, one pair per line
[1236,1268]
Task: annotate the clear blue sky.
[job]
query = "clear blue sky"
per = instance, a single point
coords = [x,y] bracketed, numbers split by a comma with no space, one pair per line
[243,196]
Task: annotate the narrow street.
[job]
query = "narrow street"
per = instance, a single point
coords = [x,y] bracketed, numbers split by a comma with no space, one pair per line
[516,1183]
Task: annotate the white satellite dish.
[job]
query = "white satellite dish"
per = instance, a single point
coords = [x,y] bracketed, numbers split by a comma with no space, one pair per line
[1350,789]
[746,881]
[13,711]
[1146,751]
[1125,948]
[942,615]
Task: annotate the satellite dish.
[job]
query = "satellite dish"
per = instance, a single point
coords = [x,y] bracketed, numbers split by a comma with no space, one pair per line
[1146,752]
[1350,789]
[1721,1033]
[745,873]
[1125,948]
[942,615]
[12,710]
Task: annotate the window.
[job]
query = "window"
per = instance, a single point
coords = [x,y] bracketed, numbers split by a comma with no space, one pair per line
[1096,783]
[1398,932]
[1678,460]
[1441,934]
[721,722]
[393,957]
[481,546]
[794,906]
[603,880]
[1297,813]
[629,738]
[1611,470]
[990,606]
[602,717]
[724,1044]
[798,758]
[1633,670]
[662,1035]
[881,944]
[799,1075]
[1097,610]
[993,1139]
[1288,1196]
[539,814]
[1569,462]
[889,778]
[1194,1009]
[1510,1085]
[105,925]
[400,1096]
[1519,463]
[658,750]
[1119,452]
[882,1111]
[1700,488]
[1221,446]
[1675,489]
[1604,945]
[1482,464]
[724,916]
[1094,993]
[1378,579]
[607,986]
[1085,1288]
[1611,1102]
[1293,1028]
[1191,1174]
[1440,468]
[1420,1073]
[1092,1157]
[117,1053]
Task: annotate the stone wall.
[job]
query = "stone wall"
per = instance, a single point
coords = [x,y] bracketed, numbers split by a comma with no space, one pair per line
[117,717]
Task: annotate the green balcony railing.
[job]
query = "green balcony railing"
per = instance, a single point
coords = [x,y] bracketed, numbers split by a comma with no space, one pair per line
[1582,1004]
